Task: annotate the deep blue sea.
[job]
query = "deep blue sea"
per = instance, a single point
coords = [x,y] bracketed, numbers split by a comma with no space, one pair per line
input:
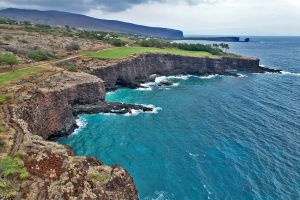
[213,137]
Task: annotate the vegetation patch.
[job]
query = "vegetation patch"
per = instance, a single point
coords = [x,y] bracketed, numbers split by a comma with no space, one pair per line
[4,98]
[7,188]
[38,55]
[100,177]
[124,52]
[73,68]
[72,47]
[10,166]
[12,172]
[19,74]
[8,59]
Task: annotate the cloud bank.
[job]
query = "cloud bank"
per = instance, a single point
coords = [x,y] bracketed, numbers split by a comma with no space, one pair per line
[86,5]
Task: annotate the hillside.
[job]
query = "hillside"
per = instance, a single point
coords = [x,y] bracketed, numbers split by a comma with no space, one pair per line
[85,22]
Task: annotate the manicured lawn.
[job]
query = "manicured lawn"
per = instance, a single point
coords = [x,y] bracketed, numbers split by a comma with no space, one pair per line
[19,74]
[124,52]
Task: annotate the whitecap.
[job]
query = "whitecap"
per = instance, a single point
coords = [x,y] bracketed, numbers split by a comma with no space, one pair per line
[155,108]
[290,73]
[208,76]
[160,195]
[133,112]
[181,77]
[144,89]
[81,123]
[242,75]
[193,155]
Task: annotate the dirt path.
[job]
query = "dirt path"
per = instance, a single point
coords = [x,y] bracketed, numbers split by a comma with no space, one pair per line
[18,135]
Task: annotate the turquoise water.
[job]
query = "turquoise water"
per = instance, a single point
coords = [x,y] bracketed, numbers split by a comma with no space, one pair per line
[214,137]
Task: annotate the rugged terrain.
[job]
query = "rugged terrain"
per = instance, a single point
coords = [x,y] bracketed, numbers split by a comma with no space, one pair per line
[43,101]
[43,105]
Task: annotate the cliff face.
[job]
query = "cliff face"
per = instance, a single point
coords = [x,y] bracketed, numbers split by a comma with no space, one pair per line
[49,110]
[140,68]
[54,172]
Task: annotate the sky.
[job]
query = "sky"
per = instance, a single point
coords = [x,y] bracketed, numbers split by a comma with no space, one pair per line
[193,17]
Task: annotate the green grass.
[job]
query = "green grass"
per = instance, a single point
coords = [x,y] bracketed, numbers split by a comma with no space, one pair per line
[124,52]
[12,172]
[10,166]
[100,177]
[4,98]
[18,74]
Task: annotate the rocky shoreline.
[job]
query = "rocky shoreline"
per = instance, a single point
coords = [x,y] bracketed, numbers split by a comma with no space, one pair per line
[51,107]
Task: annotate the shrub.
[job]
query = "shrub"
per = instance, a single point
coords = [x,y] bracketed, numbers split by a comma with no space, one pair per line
[10,166]
[101,177]
[5,20]
[38,55]
[9,59]
[72,47]
[8,37]
[117,42]
[72,68]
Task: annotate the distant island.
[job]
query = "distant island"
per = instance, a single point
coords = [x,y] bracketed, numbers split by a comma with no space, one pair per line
[218,39]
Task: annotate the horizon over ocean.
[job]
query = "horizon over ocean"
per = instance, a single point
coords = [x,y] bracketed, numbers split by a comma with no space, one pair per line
[214,137]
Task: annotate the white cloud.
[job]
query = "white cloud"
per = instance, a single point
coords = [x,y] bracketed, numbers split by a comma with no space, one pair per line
[226,17]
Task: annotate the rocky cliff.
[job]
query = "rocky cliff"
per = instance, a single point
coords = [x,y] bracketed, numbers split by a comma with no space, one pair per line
[45,108]
[138,69]
[47,105]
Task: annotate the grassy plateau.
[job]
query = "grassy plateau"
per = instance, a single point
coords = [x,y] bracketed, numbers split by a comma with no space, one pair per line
[124,52]
[19,74]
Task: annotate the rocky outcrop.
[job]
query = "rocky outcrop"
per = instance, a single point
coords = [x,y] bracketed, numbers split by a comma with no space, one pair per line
[48,111]
[54,172]
[138,69]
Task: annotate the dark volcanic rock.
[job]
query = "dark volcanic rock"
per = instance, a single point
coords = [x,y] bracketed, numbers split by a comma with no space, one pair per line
[139,69]
[105,107]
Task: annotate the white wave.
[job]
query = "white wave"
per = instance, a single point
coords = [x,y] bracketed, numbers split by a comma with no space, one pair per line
[290,73]
[134,112]
[108,114]
[144,89]
[81,123]
[182,77]
[208,191]
[208,76]
[242,75]
[193,155]
[155,108]
[160,79]
[160,195]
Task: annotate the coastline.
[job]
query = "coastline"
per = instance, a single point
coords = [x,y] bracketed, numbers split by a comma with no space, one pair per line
[79,93]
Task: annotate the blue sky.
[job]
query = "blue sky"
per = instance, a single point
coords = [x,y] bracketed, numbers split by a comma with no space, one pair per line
[205,17]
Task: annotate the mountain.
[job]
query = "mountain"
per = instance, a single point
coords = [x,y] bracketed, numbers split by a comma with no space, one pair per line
[85,22]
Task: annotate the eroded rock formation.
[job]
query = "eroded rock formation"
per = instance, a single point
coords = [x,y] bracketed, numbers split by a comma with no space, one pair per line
[138,69]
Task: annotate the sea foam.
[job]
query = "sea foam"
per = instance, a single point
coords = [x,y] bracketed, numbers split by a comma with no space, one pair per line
[290,73]
[81,123]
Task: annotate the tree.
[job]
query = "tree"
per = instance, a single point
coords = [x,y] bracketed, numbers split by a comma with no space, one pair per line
[9,59]
[224,46]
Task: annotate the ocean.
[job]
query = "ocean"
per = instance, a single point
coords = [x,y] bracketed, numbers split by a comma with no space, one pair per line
[214,137]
